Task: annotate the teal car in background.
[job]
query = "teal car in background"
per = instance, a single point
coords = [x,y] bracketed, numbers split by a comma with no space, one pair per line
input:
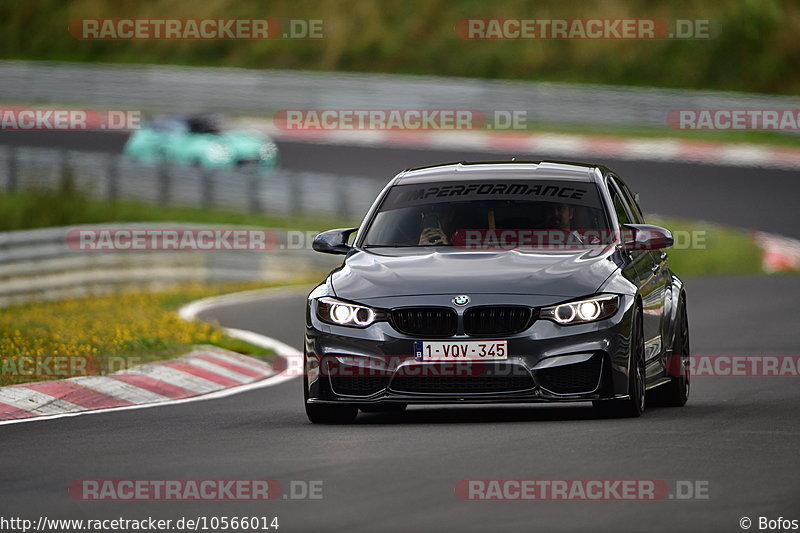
[200,141]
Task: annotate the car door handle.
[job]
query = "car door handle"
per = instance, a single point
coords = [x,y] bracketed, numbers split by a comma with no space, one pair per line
[663,255]
[655,268]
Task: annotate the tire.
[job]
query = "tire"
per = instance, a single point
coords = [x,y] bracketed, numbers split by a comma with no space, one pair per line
[331,414]
[633,406]
[384,408]
[675,393]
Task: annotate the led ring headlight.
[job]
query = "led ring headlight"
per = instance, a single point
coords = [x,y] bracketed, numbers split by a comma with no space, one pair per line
[363,316]
[589,310]
[582,311]
[342,313]
[564,314]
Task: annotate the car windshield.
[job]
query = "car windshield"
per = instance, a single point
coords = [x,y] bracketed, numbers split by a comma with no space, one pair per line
[491,214]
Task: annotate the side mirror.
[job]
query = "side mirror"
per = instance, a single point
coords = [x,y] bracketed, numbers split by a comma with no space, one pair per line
[645,237]
[333,241]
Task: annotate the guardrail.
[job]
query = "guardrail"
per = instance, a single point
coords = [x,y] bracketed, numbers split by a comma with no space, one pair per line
[113,176]
[189,89]
[40,265]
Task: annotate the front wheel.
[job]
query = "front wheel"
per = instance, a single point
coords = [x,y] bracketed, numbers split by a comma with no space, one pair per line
[675,393]
[633,406]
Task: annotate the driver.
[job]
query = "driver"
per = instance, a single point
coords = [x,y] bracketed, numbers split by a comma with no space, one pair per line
[435,226]
[559,217]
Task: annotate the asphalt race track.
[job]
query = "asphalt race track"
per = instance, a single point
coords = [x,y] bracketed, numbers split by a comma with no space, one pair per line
[398,472]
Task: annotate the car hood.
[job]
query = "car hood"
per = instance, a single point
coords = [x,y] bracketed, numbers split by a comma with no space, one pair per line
[383,272]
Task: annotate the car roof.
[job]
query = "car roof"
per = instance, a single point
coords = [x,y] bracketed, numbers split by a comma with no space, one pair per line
[513,170]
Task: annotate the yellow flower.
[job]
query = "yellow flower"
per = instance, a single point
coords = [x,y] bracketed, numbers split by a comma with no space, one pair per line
[128,324]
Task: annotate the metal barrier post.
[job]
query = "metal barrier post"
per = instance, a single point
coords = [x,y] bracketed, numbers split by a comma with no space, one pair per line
[207,187]
[12,169]
[112,173]
[163,184]
[254,182]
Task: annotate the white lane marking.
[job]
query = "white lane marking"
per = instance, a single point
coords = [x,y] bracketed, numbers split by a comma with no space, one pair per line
[254,365]
[364,136]
[569,144]
[658,149]
[191,310]
[219,370]
[119,389]
[293,356]
[36,402]
[173,376]
[249,336]
[460,140]
[757,155]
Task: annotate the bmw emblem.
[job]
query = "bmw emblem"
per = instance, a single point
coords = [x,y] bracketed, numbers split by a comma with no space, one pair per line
[461,299]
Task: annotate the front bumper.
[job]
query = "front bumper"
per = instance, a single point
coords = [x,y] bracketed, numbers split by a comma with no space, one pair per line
[546,363]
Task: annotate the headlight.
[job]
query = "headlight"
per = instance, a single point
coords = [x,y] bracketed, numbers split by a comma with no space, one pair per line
[341,313]
[582,311]
[219,153]
[267,151]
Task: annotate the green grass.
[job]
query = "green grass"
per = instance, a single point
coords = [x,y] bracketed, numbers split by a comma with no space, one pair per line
[113,332]
[715,250]
[39,209]
[756,50]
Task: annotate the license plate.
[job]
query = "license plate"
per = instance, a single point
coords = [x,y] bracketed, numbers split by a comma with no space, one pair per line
[460,350]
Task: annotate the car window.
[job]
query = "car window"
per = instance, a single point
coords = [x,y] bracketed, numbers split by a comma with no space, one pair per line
[619,203]
[635,212]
